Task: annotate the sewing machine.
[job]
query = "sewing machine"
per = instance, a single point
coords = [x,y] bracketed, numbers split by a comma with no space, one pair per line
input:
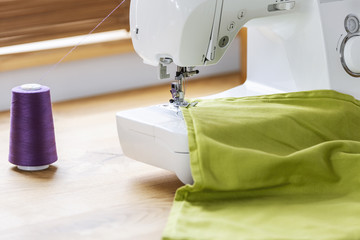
[292,45]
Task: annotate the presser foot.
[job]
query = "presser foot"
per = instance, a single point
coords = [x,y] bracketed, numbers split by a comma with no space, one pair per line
[177,104]
[178,87]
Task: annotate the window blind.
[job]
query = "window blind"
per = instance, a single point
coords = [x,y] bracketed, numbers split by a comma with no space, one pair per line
[37,20]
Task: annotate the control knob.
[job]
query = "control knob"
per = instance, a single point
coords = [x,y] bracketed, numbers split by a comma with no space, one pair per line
[352,54]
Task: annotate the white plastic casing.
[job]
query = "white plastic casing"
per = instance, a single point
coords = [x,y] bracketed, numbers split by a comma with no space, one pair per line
[333,15]
[157,136]
[191,31]
[178,29]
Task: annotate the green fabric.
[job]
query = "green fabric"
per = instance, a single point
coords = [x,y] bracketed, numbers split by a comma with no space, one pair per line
[279,167]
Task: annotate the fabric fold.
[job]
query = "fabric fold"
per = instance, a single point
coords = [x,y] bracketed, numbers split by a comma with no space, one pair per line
[283,166]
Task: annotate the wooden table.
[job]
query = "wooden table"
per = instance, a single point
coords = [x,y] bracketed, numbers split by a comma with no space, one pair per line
[93,191]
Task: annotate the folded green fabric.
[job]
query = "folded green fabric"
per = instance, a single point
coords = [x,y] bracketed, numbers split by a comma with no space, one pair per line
[277,167]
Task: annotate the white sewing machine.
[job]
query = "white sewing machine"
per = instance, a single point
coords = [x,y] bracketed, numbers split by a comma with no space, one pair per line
[293,45]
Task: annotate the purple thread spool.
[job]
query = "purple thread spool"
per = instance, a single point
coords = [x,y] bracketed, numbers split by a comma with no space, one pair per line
[32,137]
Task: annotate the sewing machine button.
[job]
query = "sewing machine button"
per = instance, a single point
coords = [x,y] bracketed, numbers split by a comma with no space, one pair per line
[224,41]
[231,26]
[284,6]
[241,14]
[352,24]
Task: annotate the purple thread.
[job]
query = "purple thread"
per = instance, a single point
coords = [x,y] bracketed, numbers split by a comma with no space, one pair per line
[82,40]
[32,137]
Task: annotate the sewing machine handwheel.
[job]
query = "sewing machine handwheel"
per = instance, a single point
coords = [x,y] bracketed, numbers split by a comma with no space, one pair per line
[352,54]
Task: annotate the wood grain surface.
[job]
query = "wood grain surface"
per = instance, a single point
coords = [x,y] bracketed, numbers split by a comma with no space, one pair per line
[93,191]
[36,20]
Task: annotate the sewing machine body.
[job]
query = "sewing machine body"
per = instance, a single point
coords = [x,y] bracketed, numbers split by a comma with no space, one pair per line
[157,135]
[292,46]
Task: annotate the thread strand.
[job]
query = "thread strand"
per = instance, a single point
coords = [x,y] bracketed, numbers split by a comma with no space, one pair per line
[53,67]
